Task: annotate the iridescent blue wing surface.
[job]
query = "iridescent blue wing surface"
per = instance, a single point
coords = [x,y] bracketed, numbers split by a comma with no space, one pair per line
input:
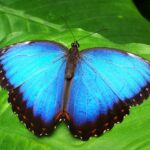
[106,83]
[33,73]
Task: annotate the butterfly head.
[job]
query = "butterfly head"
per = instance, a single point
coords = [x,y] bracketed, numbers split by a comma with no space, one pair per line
[75,44]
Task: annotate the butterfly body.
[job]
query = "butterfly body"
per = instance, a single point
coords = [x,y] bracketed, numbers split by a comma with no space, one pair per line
[92,90]
[73,56]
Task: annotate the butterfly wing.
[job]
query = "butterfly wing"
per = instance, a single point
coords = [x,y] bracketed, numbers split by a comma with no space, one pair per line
[106,83]
[33,72]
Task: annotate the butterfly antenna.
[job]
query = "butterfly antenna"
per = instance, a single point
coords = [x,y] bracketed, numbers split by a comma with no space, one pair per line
[67,25]
[88,35]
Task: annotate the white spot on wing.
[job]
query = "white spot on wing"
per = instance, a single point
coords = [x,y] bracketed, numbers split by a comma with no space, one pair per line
[4,51]
[24,43]
[132,55]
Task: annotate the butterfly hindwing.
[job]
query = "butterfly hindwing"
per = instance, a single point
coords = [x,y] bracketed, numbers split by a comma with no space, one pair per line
[106,83]
[33,73]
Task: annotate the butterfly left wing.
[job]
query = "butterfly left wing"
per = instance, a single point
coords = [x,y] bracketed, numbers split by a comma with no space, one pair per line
[106,83]
[33,73]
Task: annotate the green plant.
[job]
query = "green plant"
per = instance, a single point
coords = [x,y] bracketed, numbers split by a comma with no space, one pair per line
[117,24]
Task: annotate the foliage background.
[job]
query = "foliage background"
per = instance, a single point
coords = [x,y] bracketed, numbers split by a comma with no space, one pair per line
[116,24]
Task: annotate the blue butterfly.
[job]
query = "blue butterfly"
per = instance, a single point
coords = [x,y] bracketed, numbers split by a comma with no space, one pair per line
[91,90]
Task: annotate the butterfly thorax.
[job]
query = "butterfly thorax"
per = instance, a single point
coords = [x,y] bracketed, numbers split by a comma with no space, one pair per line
[72,59]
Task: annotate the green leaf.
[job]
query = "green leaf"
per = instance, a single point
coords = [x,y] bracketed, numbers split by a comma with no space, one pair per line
[115,24]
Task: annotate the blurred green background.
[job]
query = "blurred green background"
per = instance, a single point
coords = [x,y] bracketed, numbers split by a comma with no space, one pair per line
[117,24]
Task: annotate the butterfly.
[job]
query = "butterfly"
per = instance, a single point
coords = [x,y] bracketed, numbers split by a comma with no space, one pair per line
[91,90]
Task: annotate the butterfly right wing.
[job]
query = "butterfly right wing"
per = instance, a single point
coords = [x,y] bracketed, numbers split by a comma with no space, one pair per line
[106,83]
[33,73]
